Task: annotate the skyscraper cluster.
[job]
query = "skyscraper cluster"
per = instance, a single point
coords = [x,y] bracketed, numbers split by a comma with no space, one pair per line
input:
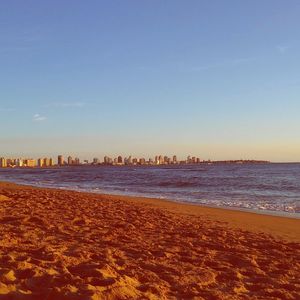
[70,161]
[25,162]
[158,160]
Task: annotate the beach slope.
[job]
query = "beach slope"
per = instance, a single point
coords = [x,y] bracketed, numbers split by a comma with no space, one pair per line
[57,244]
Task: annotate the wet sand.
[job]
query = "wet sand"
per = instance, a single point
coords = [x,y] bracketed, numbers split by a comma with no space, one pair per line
[57,244]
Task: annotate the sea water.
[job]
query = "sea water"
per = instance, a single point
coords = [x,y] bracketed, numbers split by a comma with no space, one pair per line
[257,187]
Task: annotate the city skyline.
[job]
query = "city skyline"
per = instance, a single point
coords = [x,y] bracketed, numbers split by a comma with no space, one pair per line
[220,79]
[11,162]
[226,156]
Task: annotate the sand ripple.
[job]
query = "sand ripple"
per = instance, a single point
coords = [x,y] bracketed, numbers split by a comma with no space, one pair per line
[67,245]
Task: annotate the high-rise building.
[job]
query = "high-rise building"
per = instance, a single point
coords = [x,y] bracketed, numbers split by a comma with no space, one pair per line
[70,160]
[161,159]
[40,162]
[3,162]
[46,162]
[30,163]
[129,160]
[19,162]
[174,159]
[95,161]
[60,160]
[120,160]
[50,162]
[108,160]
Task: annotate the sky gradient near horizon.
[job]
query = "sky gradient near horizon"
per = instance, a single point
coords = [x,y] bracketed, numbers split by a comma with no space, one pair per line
[215,79]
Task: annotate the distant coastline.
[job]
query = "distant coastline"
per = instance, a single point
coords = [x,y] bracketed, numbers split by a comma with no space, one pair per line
[48,162]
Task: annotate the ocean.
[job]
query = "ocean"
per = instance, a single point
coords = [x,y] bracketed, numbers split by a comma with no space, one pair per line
[270,188]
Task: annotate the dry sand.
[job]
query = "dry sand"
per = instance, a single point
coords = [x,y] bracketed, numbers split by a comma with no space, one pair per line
[67,245]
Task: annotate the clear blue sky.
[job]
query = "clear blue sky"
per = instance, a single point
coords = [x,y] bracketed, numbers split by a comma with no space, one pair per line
[216,79]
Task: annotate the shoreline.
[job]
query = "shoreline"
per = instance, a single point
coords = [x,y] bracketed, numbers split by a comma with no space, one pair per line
[236,217]
[61,244]
[276,213]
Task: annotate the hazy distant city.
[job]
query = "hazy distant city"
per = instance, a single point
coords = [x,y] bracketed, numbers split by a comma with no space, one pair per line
[108,161]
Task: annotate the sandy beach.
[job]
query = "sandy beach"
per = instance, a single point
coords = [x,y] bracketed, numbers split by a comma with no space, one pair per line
[57,244]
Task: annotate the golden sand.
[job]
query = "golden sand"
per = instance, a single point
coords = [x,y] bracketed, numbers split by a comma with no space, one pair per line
[66,245]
